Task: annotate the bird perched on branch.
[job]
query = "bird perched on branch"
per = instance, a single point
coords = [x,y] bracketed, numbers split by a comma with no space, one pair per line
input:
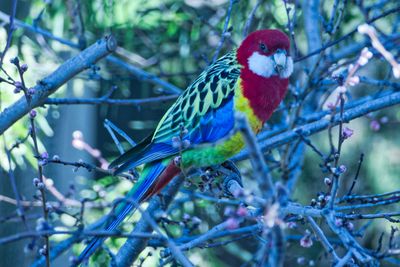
[252,79]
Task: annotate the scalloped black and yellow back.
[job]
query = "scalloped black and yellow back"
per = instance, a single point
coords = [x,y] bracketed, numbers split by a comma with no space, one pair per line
[213,87]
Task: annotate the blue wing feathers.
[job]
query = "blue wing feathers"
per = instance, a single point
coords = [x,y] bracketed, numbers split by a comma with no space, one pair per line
[215,124]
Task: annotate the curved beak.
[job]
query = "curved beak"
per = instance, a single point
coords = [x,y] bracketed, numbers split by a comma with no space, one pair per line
[280,60]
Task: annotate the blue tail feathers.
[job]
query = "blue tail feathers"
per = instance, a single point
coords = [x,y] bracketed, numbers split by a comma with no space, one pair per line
[135,196]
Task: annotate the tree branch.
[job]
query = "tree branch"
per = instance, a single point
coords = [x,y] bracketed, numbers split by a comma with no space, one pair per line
[308,129]
[51,83]
[134,246]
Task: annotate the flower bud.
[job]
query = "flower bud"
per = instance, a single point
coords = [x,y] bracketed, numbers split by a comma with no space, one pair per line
[306,240]
[49,207]
[176,142]
[347,133]
[384,120]
[18,84]
[24,67]
[32,113]
[36,181]
[241,211]
[327,198]
[185,143]
[228,211]
[41,186]
[349,226]
[342,168]
[232,223]
[375,125]
[31,91]
[186,217]
[327,181]
[338,222]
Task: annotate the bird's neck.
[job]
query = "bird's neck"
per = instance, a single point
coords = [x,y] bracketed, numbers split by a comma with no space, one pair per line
[264,94]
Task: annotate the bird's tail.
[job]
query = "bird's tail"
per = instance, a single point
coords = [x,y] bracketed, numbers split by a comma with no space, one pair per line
[154,177]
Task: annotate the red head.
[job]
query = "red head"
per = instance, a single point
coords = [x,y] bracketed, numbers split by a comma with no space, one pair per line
[267,66]
[265,52]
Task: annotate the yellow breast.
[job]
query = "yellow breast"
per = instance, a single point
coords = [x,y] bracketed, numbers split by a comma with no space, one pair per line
[242,105]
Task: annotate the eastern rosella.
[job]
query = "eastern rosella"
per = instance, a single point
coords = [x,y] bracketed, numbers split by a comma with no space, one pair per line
[252,79]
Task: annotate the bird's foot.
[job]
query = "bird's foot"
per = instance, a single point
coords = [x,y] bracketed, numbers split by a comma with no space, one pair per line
[231,179]
[220,180]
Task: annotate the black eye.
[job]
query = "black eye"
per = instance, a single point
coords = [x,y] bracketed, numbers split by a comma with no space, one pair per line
[263,48]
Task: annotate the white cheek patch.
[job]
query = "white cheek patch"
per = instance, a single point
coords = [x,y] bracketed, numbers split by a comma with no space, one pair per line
[288,70]
[261,65]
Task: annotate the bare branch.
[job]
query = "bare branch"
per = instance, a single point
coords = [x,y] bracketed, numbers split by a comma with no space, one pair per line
[51,83]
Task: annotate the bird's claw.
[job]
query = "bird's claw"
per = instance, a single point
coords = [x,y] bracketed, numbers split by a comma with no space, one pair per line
[232,175]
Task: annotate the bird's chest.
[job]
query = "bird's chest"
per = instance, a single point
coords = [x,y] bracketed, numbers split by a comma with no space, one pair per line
[261,95]
[242,105]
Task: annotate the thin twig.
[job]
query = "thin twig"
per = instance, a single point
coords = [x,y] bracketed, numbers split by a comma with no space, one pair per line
[10,31]
[224,31]
[41,188]
[250,18]
[324,240]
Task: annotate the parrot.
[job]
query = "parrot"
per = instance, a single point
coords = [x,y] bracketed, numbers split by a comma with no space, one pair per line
[252,79]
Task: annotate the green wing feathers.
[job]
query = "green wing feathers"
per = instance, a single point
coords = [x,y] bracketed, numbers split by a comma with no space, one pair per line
[207,92]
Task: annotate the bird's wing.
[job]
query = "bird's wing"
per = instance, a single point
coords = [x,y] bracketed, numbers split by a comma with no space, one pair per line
[204,111]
